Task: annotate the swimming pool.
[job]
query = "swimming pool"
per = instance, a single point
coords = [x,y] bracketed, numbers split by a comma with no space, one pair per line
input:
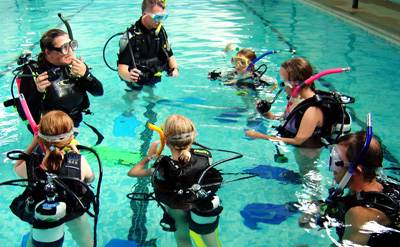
[198,32]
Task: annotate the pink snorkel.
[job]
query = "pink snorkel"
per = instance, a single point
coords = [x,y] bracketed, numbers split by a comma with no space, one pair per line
[28,115]
[315,77]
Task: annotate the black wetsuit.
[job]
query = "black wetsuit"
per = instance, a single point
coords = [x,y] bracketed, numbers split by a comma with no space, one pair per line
[151,53]
[67,93]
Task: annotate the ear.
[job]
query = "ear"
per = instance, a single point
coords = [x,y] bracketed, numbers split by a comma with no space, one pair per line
[47,52]
[144,13]
[359,169]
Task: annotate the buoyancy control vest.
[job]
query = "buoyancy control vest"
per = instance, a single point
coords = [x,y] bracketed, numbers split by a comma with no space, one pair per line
[68,178]
[66,93]
[387,201]
[150,52]
[337,121]
[173,179]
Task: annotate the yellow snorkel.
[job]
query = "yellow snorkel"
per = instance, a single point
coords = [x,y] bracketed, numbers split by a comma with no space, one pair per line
[159,25]
[161,133]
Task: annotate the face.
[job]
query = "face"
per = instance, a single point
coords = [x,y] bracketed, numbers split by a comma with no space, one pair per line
[339,164]
[241,63]
[289,86]
[57,58]
[152,19]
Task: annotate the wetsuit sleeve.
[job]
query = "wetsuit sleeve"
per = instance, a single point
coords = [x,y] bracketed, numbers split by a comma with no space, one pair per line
[92,84]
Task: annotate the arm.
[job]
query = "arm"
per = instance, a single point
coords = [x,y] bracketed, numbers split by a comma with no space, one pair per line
[20,166]
[173,65]
[312,118]
[91,84]
[355,218]
[126,75]
[138,170]
[87,175]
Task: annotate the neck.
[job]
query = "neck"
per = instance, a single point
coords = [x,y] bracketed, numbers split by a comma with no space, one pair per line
[362,185]
[306,93]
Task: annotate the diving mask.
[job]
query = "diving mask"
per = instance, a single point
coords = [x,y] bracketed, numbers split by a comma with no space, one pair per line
[57,138]
[242,61]
[64,49]
[336,164]
[159,17]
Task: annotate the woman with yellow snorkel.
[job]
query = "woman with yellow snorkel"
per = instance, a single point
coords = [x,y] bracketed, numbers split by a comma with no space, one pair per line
[179,180]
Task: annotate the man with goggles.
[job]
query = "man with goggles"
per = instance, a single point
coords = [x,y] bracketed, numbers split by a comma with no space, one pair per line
[370,201]
[145,51]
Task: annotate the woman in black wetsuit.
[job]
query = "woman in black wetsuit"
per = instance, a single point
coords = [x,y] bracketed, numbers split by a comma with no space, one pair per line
[58,80]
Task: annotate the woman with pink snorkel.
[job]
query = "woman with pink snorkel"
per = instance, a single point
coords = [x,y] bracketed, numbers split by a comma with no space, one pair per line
[305,128]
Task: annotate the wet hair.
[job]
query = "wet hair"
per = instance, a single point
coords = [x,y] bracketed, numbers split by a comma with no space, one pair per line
[52,124]
[148,5]
[46,42]
[298,69]
[249,54]
[180,133]
[373,158]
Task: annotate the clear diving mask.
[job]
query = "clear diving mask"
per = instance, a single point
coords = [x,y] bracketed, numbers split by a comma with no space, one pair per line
[64,49]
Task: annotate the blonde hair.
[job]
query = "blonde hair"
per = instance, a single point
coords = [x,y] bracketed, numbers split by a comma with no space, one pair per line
[55,123]
[180,133]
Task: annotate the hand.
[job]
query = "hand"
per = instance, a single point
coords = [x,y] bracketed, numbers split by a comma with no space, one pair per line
[78,66]
[42,83]
[253,134]
[134,75]
[153,148]
[174,72]
[73,145]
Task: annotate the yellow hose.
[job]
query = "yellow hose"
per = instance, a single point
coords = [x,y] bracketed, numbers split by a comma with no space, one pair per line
[161,133]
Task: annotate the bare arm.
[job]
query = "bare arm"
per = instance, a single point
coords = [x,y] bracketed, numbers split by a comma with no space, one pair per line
[20,166]
[356,218]
[173,64]
[126,75]
[312,118]
[138,170]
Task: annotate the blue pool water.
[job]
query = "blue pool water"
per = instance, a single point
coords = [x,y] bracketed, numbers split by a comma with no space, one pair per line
[198,31]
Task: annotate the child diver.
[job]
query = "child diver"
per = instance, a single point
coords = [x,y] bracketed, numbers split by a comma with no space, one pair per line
[174,179]
[245,77]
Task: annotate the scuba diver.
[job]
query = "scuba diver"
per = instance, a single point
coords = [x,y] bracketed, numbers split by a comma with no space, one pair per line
[310,118]
[145,50]
[185,183]
[58,80]
[245,76]
[305,123]
[368,213]
[57,194]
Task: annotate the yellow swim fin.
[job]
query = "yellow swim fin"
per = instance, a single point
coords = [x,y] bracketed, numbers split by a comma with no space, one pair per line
[199,242]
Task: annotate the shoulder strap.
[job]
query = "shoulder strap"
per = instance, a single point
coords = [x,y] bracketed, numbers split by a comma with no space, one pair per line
[73,164]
